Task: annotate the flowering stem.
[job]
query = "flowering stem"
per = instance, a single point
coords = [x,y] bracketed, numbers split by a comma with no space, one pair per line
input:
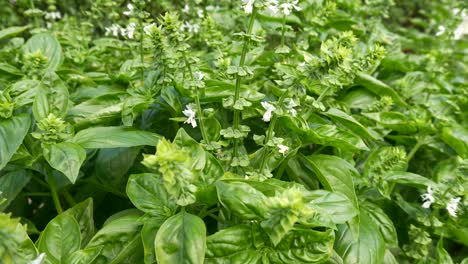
[141,50]
[414,150]
[282,30]
[270,131]
[322,95]
[53,191]
[36,22]
[238,80]
[197,102]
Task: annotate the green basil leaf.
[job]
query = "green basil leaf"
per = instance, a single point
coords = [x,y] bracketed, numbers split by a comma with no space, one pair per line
[51,98]
[11,185]
[457,138]
[365,247]
[148,235]
[147,193]
[181,239]
[119,236]
[383,222]
[234,245]
[66,157]
[84,256]
[60,238]
[379,88]
[349,122]
[304,246]
[408,178]
[11,31]
[48,45]
[242,200]
[338,206]
[83,214]
[114,137]
[442,255]
[12,133]
[335,174]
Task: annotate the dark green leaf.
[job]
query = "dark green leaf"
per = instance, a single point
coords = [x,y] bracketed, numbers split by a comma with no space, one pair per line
[84,256]
[378,87]
[83,214]
[114,137]
[11,185]
[457,138]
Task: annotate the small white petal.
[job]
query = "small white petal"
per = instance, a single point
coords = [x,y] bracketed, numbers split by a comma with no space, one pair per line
[39,259]
[269,111]
[428,198]
[452,206]
[283,149]
[191,116]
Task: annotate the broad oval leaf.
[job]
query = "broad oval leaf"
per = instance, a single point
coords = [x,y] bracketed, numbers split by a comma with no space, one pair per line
[457,138]
[60,238]
[410,179]
[234,245]
[349,122]
[117,236]
[242,200]
[66,157]
[84,256]
[114,137]
[147,193]
[51,98]
[335,174]
[12,133]
[83,214]
[11,31]
[49,46]
[365,247]
[378,87]
[383,222]
[338,206]
[181,239]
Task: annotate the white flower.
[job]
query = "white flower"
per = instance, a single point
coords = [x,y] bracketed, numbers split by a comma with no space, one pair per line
[129,31]
[462,29]
[114,29]
[291,106]
[39,259]
[452,206]
[269,110]
[428,198]
[148,28]
[192,28]
[190,114]
[248,6]
[289,6]
[52,15]
[130,10]
[199,75]
[200,13]
[272,5]
[441,30]
[283,149]
[246,177]
[186,9]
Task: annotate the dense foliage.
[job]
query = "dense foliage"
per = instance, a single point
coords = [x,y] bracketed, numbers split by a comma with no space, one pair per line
[254,131]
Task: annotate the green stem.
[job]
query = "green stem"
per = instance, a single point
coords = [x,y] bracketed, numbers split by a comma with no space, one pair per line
[270,131]
[197,102]
[209,212]
[36,194]
[322,95]
[36,22]
[141,51]
[70,200]
[413,151]
[53,190]
[282,31]
[40,181]
[238,80]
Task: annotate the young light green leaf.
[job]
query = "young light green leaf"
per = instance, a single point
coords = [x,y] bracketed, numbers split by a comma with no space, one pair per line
[66,157]
[12,133]
[11,31]
[336,205]
[114,137]
[60,238]
[410,179]
[457,138]
[349,122]
[181,239]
